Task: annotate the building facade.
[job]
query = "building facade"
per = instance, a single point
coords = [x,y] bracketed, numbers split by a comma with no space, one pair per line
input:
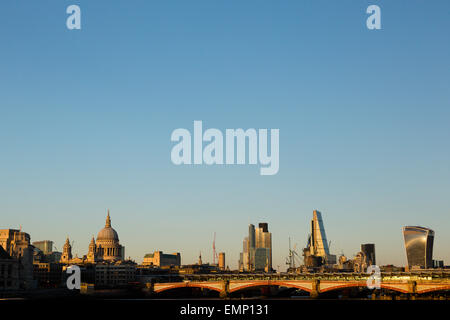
[9,272]
[48,274]
[257,249]
[106,248]
[160,259]
[369,251]
[46,246]
[317,252]
[114,274]
[222,261]
[18,246]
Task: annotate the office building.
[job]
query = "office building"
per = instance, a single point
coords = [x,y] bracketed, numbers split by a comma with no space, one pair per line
[257,249]
[113,274]
[48,275]
[419,246]
[160,259]
[222,261]
[317,252]
[369,251]
[46,246]
[438,263]
[43,252]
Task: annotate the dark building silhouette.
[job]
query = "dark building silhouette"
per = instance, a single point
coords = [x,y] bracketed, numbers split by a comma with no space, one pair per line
[264,226]
[369,250]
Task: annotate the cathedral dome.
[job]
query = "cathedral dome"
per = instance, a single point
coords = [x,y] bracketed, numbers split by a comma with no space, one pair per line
[108,233]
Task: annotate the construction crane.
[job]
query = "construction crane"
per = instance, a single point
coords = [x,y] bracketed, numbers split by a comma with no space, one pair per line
[290,259]
[293,255]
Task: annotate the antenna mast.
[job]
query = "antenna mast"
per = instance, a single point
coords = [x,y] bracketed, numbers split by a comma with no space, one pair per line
[214,249]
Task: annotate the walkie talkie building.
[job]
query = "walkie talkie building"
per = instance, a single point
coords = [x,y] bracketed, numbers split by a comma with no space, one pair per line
[419,246]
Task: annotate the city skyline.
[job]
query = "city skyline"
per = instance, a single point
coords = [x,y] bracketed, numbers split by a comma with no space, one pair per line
[206,259]
[86,118]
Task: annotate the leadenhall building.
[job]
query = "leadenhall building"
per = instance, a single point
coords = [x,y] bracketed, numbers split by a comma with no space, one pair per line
[106,248]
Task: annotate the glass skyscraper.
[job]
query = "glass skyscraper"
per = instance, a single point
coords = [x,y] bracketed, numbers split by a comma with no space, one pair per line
[419,246]
[257,249]
[317,242]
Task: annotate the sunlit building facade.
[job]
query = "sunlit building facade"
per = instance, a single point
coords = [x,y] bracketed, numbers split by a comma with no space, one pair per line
[160,259]
[106,248]
[317,251]
[257,249]
[17,245]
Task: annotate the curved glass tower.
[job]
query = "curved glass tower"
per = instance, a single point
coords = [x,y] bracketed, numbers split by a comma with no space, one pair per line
[419,246]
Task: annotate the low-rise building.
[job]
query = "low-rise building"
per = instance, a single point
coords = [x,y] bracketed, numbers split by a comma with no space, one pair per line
[114,274]
[17,245]
[160,259]
[46,246]
[48,274]
[9,272]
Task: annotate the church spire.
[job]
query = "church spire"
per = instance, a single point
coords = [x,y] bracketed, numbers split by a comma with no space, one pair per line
[108,221]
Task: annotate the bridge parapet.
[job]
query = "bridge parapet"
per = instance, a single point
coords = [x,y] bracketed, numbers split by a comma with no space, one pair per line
[394,276]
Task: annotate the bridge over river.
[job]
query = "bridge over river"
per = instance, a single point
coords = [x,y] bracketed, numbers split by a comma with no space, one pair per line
[411,283]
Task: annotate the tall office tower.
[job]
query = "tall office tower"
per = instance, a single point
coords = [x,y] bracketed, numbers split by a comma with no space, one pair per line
[263,248]
[46,246]
[369,250]
[222,260]
[419,246]
[318,236]
[241,262]
[257,249]
[317,251]
[245,260]
[251,236]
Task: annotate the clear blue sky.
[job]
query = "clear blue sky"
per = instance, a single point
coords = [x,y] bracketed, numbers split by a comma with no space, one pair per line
[86,118]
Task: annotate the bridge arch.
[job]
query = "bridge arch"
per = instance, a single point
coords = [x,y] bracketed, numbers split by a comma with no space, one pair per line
[177,285]
[402,288]
[432,288]
[239,286]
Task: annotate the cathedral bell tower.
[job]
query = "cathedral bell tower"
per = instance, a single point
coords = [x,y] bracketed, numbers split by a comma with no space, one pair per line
[92,253]
[67,252]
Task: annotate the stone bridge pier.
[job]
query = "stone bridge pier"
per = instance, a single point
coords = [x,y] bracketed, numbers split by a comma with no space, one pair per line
[225,293]
[315,289]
